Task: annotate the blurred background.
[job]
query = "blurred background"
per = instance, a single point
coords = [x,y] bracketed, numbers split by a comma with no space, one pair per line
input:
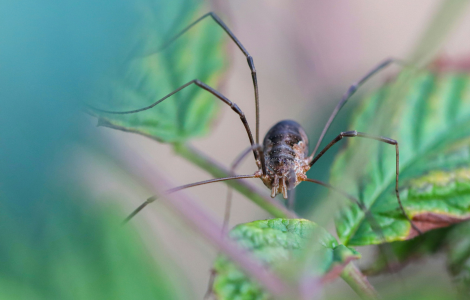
[58,186]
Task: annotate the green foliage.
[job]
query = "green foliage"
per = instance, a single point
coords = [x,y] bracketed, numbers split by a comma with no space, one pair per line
[277,242]
[429,115]
[78,251]
[151,74]
[453,241]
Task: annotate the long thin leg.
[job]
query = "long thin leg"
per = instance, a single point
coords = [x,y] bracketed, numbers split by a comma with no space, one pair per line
[182,187]
[204,86]
[249,59]
[211,283]
[381,139]
[352,89]
[228,206]
[373,222]
[228,202]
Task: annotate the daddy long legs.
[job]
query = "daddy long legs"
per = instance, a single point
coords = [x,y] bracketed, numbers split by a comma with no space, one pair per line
[283,158]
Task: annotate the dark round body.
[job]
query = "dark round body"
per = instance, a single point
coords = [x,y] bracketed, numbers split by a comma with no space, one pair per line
[285,148]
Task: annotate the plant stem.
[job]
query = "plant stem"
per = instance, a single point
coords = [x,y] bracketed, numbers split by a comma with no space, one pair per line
[249,190]
[199,220]
[359,283]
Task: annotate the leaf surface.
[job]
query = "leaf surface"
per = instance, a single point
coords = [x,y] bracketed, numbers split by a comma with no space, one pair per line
[428,113]
[277,242]
[151,73]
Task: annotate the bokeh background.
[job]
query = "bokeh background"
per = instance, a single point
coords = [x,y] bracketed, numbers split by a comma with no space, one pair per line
[307,53]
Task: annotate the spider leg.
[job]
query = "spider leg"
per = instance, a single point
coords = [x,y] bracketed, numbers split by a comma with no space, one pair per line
[214,92]
[373,222]
[228,205]
[352,89]
[249,58]
[377,138]
[182,187]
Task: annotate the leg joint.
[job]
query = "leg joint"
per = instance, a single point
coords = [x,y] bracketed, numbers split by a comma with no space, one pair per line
[352,89]
[352,133]
[390,141]
[237,109]
[251,63]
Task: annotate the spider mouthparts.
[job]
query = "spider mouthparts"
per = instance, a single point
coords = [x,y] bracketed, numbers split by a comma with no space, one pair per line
[284,188]
[273,191]
[284,192]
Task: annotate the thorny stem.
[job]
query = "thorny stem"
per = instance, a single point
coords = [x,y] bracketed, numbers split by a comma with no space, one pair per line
[359,283]
[249,190]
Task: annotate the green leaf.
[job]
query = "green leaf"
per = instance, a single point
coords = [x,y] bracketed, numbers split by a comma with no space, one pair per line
[277,242]
[77,251]
[429,115]
[144,79]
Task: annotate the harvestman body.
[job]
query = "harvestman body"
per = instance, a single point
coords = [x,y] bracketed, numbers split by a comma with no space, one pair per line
[283,159]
